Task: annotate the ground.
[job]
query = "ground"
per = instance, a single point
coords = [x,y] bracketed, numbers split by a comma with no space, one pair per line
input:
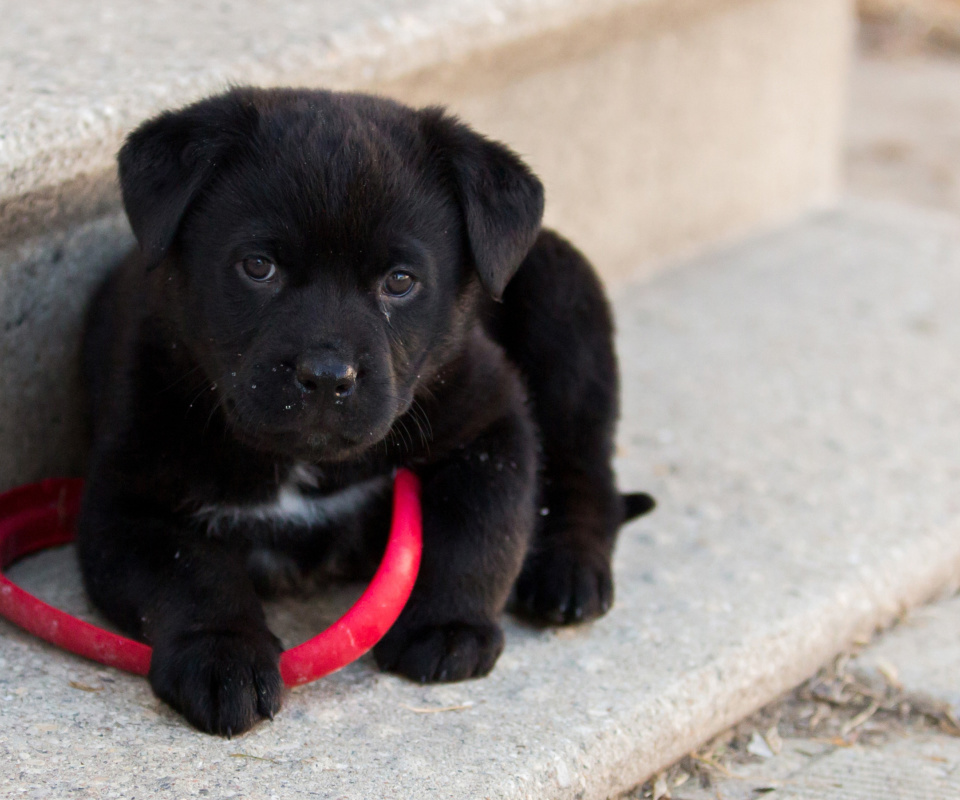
[878,723]
[814,421]
[859,729]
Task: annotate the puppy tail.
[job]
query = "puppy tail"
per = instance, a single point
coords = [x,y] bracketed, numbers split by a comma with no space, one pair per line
[636,504]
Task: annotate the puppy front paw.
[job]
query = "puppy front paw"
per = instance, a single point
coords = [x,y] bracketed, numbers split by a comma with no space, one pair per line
[438,653]
[221,682]
[562,587]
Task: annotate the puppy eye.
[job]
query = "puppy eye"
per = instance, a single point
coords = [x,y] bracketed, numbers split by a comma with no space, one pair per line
[398,284]
[258,269]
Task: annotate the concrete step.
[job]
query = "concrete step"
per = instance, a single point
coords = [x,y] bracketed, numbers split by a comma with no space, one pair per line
[910,751]
[902,142]
[657,126]
[602,96]
[792,402]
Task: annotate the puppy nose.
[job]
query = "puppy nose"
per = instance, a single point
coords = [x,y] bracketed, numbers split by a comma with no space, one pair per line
[325,375]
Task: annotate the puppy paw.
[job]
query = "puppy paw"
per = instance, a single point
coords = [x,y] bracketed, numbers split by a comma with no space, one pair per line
[562,588]
[222,683]
[436,653]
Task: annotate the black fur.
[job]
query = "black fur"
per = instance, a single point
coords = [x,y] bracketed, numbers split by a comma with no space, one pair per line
[212,391]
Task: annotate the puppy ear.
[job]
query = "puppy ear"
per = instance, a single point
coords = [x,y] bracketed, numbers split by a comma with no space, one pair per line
[166,161]
[500,198]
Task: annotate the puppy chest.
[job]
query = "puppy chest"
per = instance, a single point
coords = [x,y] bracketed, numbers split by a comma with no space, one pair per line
[297,504]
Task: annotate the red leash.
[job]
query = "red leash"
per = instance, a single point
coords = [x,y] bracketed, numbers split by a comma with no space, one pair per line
[44,514]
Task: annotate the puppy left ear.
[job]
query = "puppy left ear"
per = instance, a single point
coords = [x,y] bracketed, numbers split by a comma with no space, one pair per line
[500,198]
[165,162]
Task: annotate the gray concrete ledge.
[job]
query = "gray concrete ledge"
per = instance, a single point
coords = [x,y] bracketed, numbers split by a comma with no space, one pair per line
[76,79]
[913,665]
[763,77]
[922,654]
[656,125]
[792,402]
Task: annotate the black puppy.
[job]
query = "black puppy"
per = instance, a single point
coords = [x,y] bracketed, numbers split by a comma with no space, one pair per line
[313,304]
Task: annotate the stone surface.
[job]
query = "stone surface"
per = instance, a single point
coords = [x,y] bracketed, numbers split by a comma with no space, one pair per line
[915,769]
[922,653]
[609,99]
[901,144]
[791,402]
[903,131]
[923,766]
[921,657]
[47,282]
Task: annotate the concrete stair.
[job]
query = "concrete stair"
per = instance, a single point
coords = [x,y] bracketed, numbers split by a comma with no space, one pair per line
[915,662]
[791,401]
[657,125]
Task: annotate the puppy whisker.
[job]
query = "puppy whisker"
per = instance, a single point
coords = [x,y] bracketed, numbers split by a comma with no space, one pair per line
[189,373]
[221,399]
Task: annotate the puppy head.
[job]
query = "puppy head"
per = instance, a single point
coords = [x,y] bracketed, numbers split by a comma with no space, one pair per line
[321,255]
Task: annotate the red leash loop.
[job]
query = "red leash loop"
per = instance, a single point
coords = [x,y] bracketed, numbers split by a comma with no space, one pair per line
[44,515]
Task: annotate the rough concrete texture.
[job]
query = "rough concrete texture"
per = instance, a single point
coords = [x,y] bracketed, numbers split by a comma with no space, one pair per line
[791,402]
[42,304]
[922,654]
[917,769]
[78,77]
[609,100]
[924,766]
[920,658]
[903,131]
[911,25]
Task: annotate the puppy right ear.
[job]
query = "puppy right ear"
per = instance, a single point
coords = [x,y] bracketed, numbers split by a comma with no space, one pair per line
[500,198]
[166,161]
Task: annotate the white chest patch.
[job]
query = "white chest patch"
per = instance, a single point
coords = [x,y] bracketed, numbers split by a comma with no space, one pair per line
[293,508]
